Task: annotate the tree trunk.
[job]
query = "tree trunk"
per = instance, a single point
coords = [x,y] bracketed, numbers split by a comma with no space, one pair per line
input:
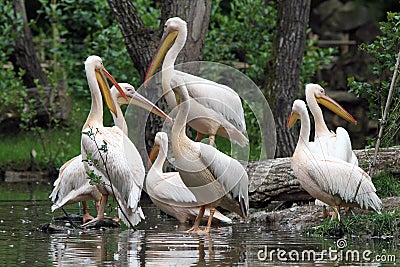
[197,16]
[283,72]
[24,55]
[274,179]
[141,43]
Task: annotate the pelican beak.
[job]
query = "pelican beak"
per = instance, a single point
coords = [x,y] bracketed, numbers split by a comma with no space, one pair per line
[336,108]
[153,154]
[140,101]
[105,89]
[166,41]
[292,119]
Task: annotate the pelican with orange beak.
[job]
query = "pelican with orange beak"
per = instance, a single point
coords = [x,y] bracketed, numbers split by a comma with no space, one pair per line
[122,172]
[214,178]
[329,179]
[72,184]
[335,144]
[216,109]
[167,190]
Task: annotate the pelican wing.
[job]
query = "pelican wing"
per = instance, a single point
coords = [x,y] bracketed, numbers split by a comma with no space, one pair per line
[229,173]
[344,179]
[221,98]
[72,185]
[337,145]
[124,166]
[171,189]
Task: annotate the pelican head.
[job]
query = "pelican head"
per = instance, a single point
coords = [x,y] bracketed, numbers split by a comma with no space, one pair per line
[96,63]
[322,98]
[298,109]
[160,142]
[172,27]
[133,97]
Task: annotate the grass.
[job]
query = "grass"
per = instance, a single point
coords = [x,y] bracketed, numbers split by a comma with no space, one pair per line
[58,146]
[371,224]
[387,185]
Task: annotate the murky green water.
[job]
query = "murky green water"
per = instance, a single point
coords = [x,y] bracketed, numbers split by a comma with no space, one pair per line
[160,241]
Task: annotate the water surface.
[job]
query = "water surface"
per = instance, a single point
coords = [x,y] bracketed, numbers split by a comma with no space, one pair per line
[161,241]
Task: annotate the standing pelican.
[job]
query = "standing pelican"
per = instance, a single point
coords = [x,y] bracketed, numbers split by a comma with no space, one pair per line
[217,109]
[167,190]
[329,143]
[214,178]
[72,184]
[123,172]
[328,178]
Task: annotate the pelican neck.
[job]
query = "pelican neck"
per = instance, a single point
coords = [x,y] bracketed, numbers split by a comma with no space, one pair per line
[95,117]
[320,126]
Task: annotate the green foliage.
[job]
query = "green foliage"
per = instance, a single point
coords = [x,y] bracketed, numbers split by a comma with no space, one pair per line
[16,148]
[315,58]
[244,32]
[14,92]
[248,29]
[387,185]
[384,50]
[372,224]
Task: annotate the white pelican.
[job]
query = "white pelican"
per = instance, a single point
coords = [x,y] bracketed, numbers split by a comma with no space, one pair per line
[328,178]
[328,142]
[123,173]
[167,190]
[332,144]
[214,178]
[217,109]
[72,184]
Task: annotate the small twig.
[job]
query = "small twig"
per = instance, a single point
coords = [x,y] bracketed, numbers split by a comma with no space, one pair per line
[104,160]
[385,112]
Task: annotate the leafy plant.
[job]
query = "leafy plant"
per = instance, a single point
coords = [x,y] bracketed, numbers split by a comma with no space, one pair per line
[372,224]
[387,185]
[384,50]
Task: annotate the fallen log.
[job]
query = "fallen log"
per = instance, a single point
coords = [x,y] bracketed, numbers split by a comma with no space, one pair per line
[274,180]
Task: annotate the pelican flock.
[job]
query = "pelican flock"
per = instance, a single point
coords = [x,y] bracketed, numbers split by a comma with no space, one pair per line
[205,178]
[329,179]
[72,184]
[167,190]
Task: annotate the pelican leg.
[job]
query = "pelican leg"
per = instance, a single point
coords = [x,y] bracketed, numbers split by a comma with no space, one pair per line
[97,203]
[100,214]
[199,136]
[335,213]
[212,140]
[86,216]
[324,213]
[196,224]
[208,227]
[206,231]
